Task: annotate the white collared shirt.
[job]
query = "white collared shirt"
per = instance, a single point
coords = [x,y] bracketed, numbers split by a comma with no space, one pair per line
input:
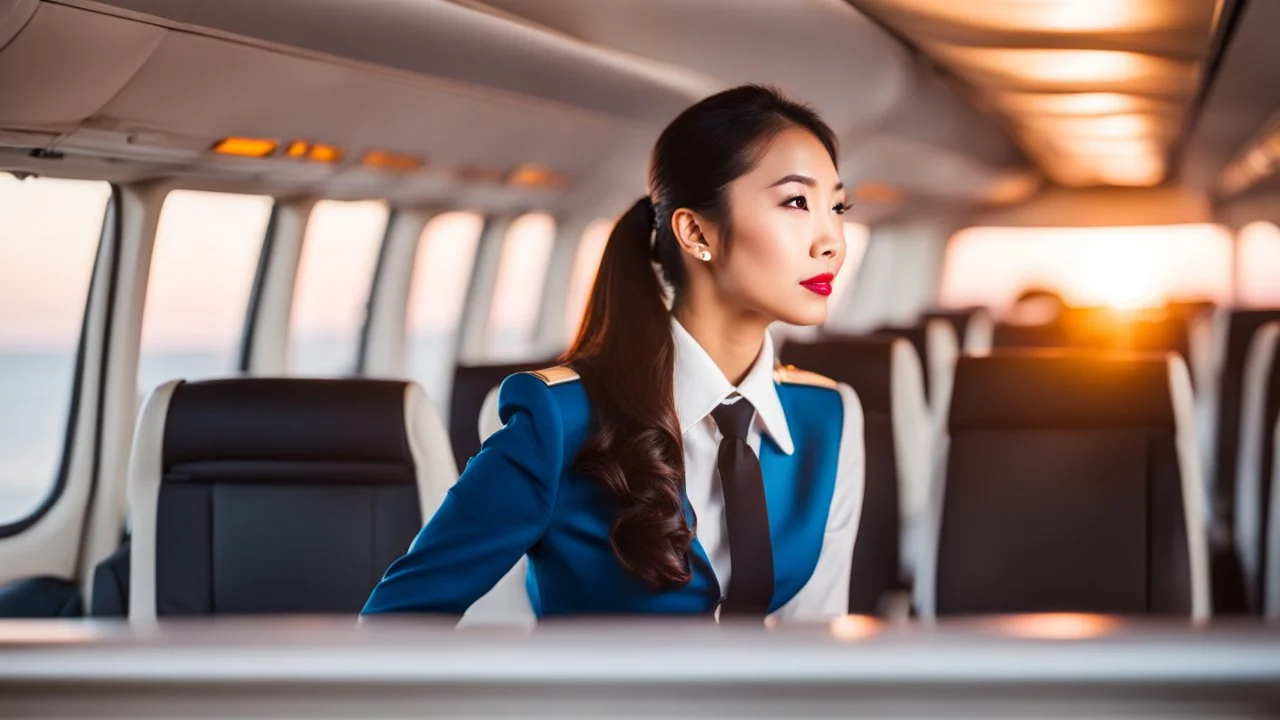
[700,387]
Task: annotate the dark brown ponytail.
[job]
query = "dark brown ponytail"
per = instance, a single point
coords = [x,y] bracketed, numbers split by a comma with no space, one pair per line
[624,350]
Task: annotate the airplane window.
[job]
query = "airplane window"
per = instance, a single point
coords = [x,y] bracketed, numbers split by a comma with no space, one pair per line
[48,238]
[207,246]
[856,237]
[522,272]
[586,262]
[441,272]
[1259,264]
[1123,267]
[339,252]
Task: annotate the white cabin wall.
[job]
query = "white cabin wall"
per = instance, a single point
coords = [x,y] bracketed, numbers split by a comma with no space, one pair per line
[269,345]
[899,277]
[140,207]
[383,351]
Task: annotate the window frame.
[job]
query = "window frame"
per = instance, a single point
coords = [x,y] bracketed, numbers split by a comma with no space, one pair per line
[249,329]
[109,245]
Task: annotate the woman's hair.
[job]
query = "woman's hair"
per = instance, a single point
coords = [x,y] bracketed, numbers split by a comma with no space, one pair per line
[624,351]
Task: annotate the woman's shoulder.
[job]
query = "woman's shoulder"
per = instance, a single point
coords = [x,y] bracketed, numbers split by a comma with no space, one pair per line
[816,401]
[792,375]
[555,391]
[553,376]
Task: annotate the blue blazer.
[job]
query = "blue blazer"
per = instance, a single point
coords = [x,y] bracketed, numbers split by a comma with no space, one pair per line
[520,496]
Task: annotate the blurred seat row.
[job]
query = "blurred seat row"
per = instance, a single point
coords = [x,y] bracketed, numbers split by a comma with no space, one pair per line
[1066,476]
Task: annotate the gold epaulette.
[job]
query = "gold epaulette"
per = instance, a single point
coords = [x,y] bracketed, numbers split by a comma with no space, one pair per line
[555,376]
[790,375]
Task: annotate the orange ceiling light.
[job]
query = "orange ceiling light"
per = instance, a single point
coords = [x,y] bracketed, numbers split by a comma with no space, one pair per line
[536,176]
[1132,171]
[315,152]
[1078,81]
[877,193]
[245,147]
[1054,16]
[391,162]
[322,153]
[1079,104]
[1061,70]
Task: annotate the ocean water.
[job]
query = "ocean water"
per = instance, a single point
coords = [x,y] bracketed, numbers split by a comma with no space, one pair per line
[35,396]
[35,399]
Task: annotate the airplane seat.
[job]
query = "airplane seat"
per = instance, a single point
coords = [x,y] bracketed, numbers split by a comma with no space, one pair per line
[943,346]
[471,383]
[1067,482]
[938,345]
[489,421]
[1206,338]
[1259,412]
[1006,336]
[1271,573]
[278,495]
[507,602]
[110,591]
[918,336]
[974,327]
[887,376]
[40,597]
[1228,576]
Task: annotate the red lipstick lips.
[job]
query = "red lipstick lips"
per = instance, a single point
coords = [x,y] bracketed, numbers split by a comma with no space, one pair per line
[819,284]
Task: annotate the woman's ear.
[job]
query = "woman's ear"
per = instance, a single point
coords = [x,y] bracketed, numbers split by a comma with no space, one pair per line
[688,227]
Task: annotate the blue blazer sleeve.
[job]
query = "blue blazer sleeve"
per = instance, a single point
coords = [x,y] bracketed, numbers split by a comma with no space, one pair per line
[500,506]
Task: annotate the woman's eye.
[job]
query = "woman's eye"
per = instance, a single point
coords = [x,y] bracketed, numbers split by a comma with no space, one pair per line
[798,202]
[841,208]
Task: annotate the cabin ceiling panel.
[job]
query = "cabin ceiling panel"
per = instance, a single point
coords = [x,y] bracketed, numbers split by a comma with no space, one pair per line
[447,41]
[197,87]
[865,84]
[1096,91]
[1227,152]
[96,57]
[816,50]
[580,86]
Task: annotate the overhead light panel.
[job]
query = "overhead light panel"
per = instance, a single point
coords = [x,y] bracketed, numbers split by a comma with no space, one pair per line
[1135,172]
[1260,159]
[1054,69]
[315,152]
[877,193]
[391,162]
[1080,104]
[535,176]
[1054,16]
[479,174]
[245,147]
[322,153]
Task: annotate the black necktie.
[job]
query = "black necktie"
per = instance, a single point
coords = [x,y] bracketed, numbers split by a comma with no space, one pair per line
[747,516]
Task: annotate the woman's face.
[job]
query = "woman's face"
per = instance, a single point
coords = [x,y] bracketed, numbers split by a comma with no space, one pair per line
[787,233]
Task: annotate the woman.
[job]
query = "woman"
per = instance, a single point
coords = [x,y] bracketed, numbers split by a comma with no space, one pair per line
[669,466]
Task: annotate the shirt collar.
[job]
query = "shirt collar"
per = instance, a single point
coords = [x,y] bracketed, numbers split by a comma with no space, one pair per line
[700,387]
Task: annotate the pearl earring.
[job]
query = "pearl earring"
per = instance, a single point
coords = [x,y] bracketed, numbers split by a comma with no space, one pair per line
[704,255]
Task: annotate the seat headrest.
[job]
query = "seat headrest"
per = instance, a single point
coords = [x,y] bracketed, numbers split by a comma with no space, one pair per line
[471,384]
[287,419]
[863,363]
[1054,389]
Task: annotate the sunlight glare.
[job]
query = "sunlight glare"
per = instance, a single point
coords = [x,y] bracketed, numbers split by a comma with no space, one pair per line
[1125,268]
